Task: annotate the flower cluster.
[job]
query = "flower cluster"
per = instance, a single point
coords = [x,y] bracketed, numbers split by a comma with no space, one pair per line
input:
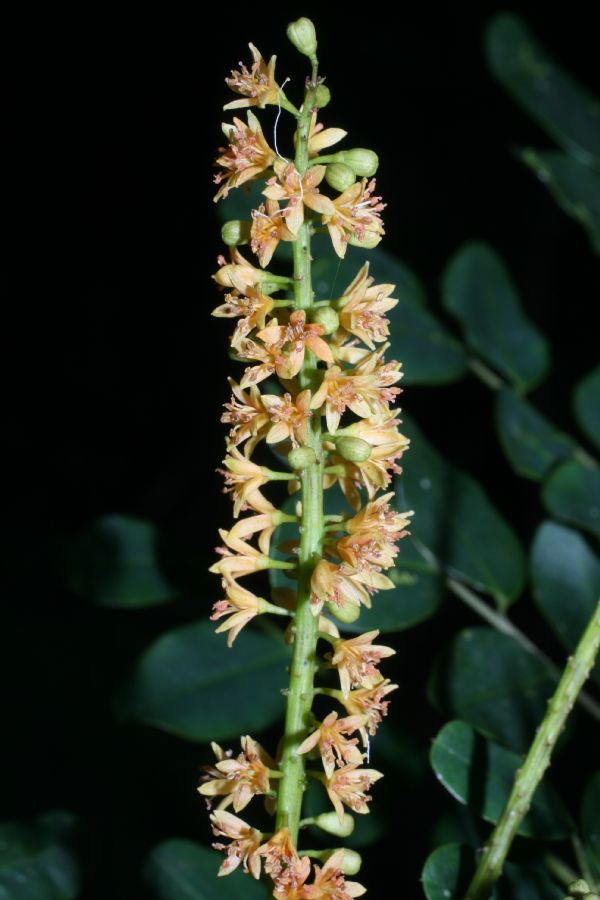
[315,383]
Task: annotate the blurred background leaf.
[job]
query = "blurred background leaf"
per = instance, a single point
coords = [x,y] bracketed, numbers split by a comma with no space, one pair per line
[530,441]
[183,870]
[572,494]
[37,858]
[191,684]
[586,403]
[590,822]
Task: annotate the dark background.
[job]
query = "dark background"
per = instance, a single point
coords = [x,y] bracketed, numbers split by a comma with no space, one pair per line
[115,371]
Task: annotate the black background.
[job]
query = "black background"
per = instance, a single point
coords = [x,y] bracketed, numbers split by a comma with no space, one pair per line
[115,371]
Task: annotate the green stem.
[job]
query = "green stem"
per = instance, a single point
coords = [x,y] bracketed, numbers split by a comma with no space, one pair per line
[537,761]
[300,692]
[559,869]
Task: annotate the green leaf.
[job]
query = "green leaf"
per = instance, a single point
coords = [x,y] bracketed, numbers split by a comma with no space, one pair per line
[114,562]
[572,493]
[447,872]
[565,575]
[566,110]
[574,186]
[182,870]
[590,821]
[428,352]
[527,883]
[37,860]
[491,682]
[478,290]
[191,684]
[418,591]
[456,523]
[587,405]
[530,441]
[481,774]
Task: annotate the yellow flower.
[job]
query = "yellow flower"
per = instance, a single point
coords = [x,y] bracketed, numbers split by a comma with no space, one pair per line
[267,357]
[333,746]
[296,336]
[239,274]
[256,85]
[298,192]
[373,533]
[244,845]
[370,702]
[365,390]
[330,884]
[247,155]
[240,605]
[252,308]
[243,479]
[363,306]
[356,216]
[238,780]
[349,785]
[244,561]
[357,659]
[286,868]
[268,228]
[319,138]
[265,523]
[289,417]
[247,415]
[336,584]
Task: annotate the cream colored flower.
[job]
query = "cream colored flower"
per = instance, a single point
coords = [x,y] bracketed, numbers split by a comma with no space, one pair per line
[257,84]
[247,415]
[295,338]
[243,478]
[287,185]
[362,308]
[238,780]
[357,215]
[330,884]
[244,845]
[349,785]
[240,605]
[336,584]
[246,156]
[289,417]
[252,308]
[288,871]
[239,274]
[356,660]
[370,702]
[320,138]
[333,745]
[269,226]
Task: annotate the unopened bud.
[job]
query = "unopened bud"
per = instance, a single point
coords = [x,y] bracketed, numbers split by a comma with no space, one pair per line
[352,448]
[321,96]
[301,458]
[330,823]
[347,613]
[327,317]
[363,162]
[352,861]
[303,36]
[339,176]
[369,240]
[235,232]
[579,888]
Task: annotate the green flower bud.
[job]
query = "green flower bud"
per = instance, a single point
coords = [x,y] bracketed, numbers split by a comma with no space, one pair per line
[301,458]
[579,888]
[339,176]
[363,162]
[347,613]
[330,823]
[322,96]
[303,36]
[353,449]
[369,240]
[352,861]
[327,317]
[235,232]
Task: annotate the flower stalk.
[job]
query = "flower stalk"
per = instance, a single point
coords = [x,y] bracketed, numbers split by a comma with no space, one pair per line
[536,762]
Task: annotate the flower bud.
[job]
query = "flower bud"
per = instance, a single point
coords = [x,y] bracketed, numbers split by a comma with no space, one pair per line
[301,458]
[579,888]
[363,162]
[235,232]
[369,240]
[327,317]
[339,176]
[352,861]
[321,96]
[330,823]
[303,36]
[352,448]
[347,613]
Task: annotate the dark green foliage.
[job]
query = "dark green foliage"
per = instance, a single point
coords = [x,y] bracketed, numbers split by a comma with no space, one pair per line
[38,858]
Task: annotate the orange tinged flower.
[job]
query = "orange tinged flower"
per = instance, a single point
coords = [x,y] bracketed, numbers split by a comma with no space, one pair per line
[370,702]
[245,560]
[289,417]
[256,85]
[239,274]
[349,785]
[320,138]
[240,605]
[265,523]
[238,780]
[357,659]
[247,415]
[330,884]
[363,306]
[333,745]
[243,479]
[357,215]
[373,533]
[296,337]
[252,308]
[267,357]
[287,185]
[246,156]
[336,584]
[286,868]
[268,228]
[244,845]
